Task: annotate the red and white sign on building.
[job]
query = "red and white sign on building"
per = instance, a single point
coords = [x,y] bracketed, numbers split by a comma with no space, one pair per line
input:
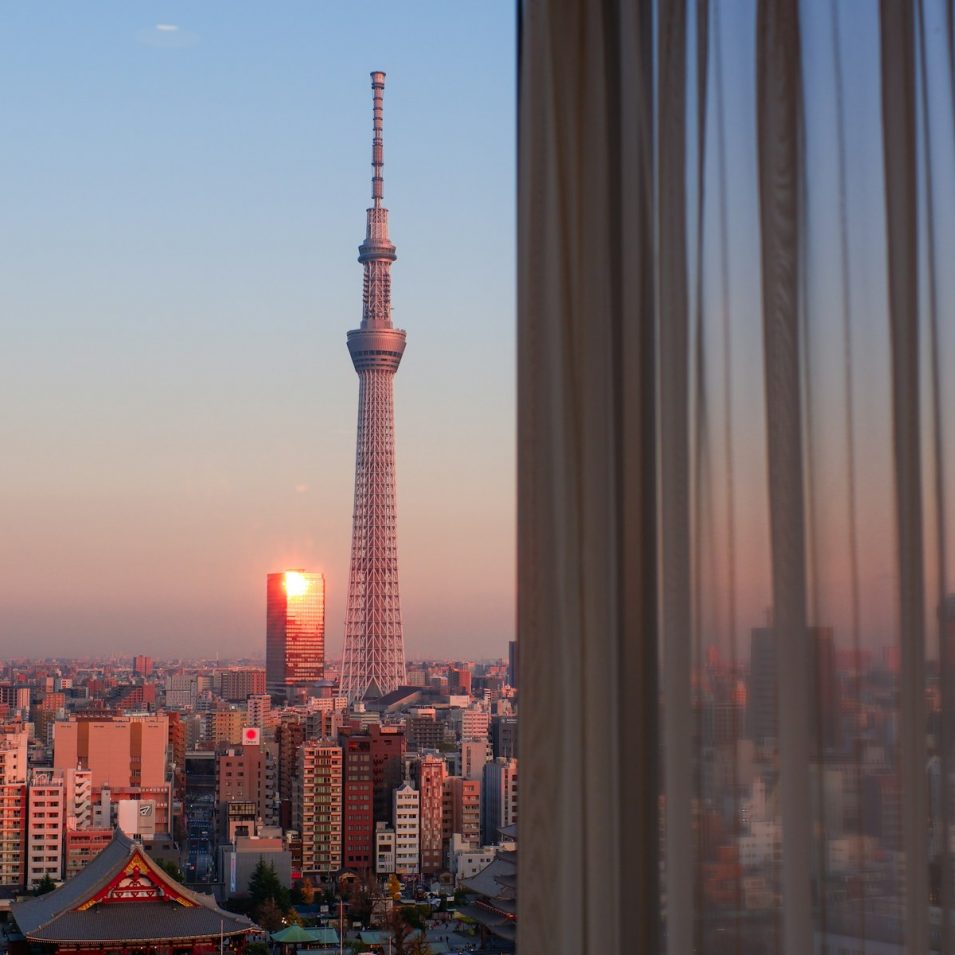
[250,735]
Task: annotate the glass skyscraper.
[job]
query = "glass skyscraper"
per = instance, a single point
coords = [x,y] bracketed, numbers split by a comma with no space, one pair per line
[295,629]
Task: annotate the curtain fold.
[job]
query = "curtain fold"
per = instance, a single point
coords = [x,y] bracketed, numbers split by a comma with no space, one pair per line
[898,125]
[675,563]
[778,94]
[586,484]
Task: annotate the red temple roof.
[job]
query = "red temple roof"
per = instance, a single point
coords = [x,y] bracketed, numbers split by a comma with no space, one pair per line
[124,896]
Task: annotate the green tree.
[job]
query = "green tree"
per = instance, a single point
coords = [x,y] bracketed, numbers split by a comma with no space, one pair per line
[265,885]
[44,885]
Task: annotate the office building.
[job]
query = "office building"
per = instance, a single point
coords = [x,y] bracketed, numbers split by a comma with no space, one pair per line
[119,752]
[499,808]
[295,630]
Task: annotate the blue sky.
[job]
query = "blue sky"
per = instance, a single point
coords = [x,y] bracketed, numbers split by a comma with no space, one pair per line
[177,274]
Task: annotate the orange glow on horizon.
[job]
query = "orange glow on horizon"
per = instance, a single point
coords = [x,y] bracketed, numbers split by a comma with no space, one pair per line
[296,585]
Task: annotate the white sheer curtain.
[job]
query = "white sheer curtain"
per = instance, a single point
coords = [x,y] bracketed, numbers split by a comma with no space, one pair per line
[736,631]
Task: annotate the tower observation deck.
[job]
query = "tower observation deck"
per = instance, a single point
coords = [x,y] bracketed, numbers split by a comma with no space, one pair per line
[374,658]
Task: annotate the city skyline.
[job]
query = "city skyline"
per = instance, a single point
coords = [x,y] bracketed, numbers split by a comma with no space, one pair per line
[178,272]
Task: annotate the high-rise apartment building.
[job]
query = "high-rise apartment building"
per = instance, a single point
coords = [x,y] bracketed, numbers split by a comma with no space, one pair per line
[295,629]
[182,690]
[358,825]
[462,810]
[13,754]
[143,665]
[13,804]
[78,798]
[474,723]
[258,711]
[46,808]
[374,657]
[318,807]
[406,823]
[223,724]
[430,772]
[289,736]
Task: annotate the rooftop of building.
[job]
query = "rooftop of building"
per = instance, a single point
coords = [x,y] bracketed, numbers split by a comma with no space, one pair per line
[123,895]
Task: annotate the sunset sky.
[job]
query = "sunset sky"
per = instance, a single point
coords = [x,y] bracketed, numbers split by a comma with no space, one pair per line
[185,191]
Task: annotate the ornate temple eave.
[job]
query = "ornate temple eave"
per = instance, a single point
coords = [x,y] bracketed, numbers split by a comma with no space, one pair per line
[122,897]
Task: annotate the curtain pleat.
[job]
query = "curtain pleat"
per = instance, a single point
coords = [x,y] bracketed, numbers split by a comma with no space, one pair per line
[674,481]
[778,89]
[586,483]
[898,134]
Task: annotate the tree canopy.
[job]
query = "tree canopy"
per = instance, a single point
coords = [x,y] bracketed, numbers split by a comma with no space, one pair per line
[265,884]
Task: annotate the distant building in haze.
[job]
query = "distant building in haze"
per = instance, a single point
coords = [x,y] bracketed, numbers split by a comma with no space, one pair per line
[295,629]
[762,694]
[762,716]
[239,685]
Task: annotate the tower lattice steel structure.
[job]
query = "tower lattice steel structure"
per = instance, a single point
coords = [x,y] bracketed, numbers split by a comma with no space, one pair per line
[374,657]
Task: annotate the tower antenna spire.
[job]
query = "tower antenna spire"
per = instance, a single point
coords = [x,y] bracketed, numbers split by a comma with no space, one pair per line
[377,144]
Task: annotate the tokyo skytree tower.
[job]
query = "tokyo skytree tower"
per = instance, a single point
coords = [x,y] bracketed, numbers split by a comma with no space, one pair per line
[374,656]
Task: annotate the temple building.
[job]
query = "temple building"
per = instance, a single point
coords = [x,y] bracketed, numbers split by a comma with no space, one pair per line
[123,902]
[494,891]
